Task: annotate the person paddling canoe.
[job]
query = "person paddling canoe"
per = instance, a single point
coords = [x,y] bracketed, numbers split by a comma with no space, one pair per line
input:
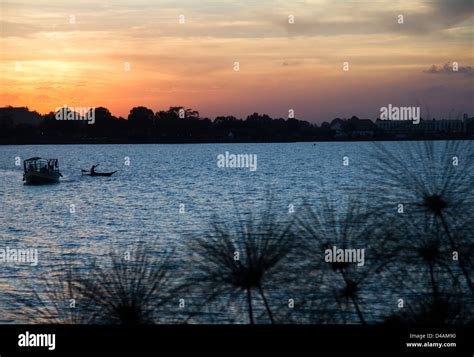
[92,172]
[93,169]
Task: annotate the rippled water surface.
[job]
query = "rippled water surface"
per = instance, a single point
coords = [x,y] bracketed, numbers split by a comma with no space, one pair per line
[142,200]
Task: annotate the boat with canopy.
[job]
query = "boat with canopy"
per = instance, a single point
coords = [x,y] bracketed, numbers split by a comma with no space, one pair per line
[41,171]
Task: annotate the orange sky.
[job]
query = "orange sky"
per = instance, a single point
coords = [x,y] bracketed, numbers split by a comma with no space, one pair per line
[75,54]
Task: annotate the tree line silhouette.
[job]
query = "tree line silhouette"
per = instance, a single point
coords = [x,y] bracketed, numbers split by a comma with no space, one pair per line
[177,124]
[181,125]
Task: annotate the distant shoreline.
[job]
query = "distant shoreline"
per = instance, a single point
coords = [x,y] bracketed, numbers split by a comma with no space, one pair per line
[20,126]
[135,142]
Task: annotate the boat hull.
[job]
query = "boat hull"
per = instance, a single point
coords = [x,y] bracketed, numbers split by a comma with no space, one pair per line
[38,178]
[106,174]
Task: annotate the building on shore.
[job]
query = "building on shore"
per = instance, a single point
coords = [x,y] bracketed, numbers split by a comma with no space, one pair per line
[425,127]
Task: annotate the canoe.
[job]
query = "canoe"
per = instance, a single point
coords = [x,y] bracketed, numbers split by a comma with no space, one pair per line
[88,173]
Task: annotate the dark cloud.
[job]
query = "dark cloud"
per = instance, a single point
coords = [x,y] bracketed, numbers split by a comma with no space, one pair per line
[448,69]
[266,19]
[460,9]
[438,15]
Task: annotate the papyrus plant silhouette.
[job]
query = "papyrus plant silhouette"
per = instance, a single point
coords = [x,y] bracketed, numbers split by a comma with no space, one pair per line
[128,289]
[345,226]
[433,182]
[245,259]
[53,299]
[427,280]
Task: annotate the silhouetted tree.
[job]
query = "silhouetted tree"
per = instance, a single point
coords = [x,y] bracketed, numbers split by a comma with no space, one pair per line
[140,120]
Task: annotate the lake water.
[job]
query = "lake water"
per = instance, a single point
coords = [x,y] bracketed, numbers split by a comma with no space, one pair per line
[142,201]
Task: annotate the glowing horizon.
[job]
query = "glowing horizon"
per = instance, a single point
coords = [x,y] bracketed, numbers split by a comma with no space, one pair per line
[48,60]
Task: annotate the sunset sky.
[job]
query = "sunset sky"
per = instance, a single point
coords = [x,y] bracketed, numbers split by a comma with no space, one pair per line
[48,59]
